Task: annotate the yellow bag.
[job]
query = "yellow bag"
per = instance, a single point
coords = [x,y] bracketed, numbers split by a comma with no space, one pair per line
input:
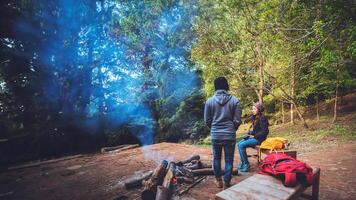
[274,143]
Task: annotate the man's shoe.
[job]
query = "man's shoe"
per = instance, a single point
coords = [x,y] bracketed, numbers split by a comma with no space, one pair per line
[219,182]
[226,185]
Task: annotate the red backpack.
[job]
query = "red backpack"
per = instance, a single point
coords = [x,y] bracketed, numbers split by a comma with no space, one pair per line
[288,169]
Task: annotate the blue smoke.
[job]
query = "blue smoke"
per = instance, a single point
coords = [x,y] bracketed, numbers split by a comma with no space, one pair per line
[106,61]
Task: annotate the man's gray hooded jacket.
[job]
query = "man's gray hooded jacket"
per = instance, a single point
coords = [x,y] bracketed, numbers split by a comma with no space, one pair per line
[222,114]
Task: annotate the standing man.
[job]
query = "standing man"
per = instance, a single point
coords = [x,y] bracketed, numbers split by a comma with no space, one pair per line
[222,114]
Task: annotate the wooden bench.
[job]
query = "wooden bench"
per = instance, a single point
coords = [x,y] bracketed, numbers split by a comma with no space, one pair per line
[260,150]
[267,187]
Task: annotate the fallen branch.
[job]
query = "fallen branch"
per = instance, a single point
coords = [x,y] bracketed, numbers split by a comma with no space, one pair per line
[3,140]
[124,148]
[190,186]
[44,162]
[107,149]
[6,194]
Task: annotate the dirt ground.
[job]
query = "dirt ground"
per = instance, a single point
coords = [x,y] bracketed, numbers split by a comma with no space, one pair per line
[98,176]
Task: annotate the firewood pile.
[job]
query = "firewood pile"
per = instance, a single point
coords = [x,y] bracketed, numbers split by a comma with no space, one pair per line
[170,179]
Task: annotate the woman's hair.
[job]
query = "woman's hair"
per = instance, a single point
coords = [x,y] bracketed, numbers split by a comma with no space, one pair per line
[256,118]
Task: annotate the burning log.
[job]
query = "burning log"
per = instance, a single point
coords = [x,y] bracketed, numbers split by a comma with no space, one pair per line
[136,180]
[165,191]
[194,164]
[170,175]
[207,171]
[150,185]
[133,181]
[194,157]
[206,165]
[183,171]
[160,185]
[183,179]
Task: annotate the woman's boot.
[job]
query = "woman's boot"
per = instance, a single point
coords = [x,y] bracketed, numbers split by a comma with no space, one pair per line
[245,167]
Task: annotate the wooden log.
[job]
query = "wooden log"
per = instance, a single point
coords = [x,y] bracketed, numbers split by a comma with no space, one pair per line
[183,171]
[194,157]
[124,148]
[150,185]
[167,181]
[165,191]
[121,197]
[3,140]
[136,180]
[6,194]
[207,171]
[44,162]
[183,179]
[194,164]
[206,165]
[107,149]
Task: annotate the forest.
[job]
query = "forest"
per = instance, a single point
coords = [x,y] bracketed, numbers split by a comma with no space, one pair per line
[79,75]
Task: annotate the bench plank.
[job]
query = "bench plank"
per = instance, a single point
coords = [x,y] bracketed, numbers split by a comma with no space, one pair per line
[260,150]
[266,187]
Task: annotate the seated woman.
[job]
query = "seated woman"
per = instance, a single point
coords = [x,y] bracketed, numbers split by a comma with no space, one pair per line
[255,137]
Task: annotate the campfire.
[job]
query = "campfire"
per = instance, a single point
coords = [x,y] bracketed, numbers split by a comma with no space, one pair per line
[170,179]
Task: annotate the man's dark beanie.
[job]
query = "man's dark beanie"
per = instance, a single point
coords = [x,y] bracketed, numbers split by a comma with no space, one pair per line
[220,83]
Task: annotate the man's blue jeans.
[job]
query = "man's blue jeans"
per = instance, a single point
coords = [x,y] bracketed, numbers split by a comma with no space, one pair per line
[242,145]
[229,150]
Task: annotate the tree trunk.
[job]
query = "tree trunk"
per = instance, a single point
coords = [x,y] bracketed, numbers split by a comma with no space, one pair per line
[291,114]
[283,117]
[289,99]
[317,107]
[286,96]
[260,96]
[292,81]
[336,93]
[300,115]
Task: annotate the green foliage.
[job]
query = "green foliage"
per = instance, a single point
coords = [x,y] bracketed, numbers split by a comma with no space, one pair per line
[205,141]
[236,39]
[186,122]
